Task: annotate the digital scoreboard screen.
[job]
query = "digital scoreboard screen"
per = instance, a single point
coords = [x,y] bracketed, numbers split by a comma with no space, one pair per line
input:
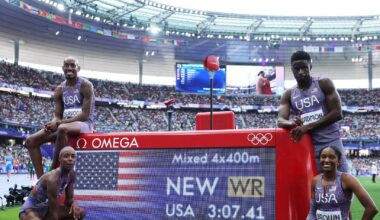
[207,183]
[193,78]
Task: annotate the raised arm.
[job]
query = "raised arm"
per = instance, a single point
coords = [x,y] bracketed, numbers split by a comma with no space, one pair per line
[351,184]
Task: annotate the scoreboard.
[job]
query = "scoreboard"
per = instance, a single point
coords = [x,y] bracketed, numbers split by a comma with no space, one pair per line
[194,78]
[229,174]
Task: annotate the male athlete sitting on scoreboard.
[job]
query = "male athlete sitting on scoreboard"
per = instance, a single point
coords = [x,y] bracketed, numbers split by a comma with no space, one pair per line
[74,114]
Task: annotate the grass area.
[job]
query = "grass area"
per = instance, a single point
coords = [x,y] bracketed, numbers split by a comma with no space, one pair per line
[356,208]
[374,190]
[9,213]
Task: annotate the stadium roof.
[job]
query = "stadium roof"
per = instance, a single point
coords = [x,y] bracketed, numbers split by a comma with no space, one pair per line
[179,17]
[281,8]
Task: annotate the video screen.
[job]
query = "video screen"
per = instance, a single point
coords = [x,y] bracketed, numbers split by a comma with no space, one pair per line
[255,80]
[193,78]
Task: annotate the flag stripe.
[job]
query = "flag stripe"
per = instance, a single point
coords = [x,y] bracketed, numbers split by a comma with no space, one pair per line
[135,187]
[139,165]
[109,198]
[137,176]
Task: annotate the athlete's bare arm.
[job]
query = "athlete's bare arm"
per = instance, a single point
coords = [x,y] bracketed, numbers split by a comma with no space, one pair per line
[351,185]
[52,125]
[284,113]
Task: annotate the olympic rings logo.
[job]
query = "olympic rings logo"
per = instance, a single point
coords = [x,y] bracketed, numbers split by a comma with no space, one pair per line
[260,138]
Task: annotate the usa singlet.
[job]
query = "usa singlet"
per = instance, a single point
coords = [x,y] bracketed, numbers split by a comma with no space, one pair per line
[73,101]
[331,203]
[311,105]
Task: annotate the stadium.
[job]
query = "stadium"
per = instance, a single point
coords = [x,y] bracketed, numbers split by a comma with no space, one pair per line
[145,60]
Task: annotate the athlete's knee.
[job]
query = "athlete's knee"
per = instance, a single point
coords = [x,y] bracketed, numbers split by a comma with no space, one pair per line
[29,215]
[22,216]
[62,130]
[30,142]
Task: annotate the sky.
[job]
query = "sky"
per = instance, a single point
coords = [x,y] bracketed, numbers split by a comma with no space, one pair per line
[283,7]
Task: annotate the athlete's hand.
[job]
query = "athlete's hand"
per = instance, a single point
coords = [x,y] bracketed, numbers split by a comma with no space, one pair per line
[298,132]
[51,126]
[297,121]
[75,210]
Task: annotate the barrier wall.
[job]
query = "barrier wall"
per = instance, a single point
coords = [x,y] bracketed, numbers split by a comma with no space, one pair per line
[225,174]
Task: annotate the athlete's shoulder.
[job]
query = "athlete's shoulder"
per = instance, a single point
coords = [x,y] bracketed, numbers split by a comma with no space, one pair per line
[323,80]
[86,81]
[326,84]
[346,176]
[316,178]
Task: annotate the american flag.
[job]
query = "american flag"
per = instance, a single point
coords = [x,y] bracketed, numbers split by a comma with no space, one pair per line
[117,185]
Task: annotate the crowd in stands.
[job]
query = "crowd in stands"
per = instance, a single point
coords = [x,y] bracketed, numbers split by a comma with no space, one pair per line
[361,166]
[32,111]
[45,80]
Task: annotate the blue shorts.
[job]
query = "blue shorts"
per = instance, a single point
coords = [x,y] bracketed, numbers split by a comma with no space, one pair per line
[9,168]
[86,127]
[32,204]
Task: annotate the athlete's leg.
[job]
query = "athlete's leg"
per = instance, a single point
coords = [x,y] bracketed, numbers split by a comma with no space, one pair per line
[9,169]
[63,131]
[33,143]
[30,215]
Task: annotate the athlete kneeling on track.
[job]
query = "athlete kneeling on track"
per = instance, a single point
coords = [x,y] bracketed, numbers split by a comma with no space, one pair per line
[42,202]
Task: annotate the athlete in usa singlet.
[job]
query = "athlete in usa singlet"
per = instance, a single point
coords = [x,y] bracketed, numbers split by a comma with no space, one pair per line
[73,102]
[39,201]
[330,202]
[310,104]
